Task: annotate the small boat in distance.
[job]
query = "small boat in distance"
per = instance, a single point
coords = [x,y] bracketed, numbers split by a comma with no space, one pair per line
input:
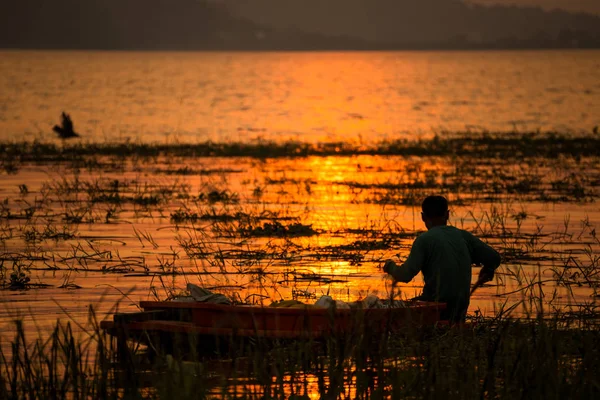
[65,131]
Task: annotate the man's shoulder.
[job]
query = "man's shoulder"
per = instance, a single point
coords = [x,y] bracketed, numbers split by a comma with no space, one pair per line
[446,231]
[424,235]
[437,233]
[466,234]
[422,238]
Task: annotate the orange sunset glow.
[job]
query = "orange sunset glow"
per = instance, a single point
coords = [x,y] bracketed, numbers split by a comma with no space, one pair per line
[299,199]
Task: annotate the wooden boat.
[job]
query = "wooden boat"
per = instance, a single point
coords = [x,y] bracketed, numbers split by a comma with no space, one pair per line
[168,325]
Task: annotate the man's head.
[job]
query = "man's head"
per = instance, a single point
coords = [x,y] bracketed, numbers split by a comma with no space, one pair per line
[435,211]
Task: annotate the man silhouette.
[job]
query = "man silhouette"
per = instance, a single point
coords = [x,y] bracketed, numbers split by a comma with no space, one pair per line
[445,254]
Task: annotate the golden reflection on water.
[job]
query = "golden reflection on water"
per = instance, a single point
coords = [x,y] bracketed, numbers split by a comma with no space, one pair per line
[352,212]
[324,96]
[301,385]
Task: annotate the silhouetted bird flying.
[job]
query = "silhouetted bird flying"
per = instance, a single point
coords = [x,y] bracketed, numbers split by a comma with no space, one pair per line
[66,130]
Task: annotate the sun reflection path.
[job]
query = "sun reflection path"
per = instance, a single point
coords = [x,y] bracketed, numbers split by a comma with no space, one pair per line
[267,229]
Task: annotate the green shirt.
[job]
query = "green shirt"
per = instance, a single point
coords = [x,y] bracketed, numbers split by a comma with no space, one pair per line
[445,254]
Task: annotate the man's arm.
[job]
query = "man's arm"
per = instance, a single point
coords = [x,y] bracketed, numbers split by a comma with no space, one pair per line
[483,254]
[411,266]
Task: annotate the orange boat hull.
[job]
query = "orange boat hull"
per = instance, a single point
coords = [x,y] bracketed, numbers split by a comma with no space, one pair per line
[272,322]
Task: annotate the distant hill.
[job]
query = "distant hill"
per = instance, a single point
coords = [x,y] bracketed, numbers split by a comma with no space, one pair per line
[143,25]
[427,23]
[286,24]
[575,6]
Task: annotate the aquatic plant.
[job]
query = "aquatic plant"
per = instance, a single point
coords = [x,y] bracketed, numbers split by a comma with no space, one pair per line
[273,221]
[497,357]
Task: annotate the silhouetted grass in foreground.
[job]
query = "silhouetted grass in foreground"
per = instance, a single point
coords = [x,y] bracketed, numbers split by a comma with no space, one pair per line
[496,358]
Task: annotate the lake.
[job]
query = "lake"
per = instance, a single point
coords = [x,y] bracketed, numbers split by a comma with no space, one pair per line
[85,223]
[340,96]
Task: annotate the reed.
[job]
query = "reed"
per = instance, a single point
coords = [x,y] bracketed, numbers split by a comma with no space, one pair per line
[493,358]
[249,221]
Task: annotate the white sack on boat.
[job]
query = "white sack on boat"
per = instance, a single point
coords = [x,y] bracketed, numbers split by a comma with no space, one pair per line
[327,302]
[206,296]
[371,301]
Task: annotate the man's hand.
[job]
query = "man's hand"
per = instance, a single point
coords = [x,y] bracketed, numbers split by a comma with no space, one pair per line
[387,267]
[485,276]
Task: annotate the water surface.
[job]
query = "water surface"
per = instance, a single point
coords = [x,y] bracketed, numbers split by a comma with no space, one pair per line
[348,96]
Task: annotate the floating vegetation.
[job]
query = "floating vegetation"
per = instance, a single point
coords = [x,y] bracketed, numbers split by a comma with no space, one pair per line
[506,145]
[215,196]
[278,229]
[269,220]
[18,280]
[264,222]
[186,170]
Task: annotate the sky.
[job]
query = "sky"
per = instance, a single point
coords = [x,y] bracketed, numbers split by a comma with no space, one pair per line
[590,6]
